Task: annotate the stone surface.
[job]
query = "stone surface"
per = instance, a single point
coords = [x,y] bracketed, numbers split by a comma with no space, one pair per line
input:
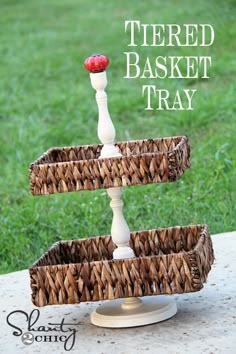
[205,321]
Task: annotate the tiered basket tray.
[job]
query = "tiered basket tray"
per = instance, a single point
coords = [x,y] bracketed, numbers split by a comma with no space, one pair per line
[167,261]
[126,264]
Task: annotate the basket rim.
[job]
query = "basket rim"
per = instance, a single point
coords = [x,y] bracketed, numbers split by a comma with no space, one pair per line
[205,229]
[37,163]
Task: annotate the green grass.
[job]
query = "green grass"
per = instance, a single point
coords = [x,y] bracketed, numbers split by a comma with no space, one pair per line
[46,100]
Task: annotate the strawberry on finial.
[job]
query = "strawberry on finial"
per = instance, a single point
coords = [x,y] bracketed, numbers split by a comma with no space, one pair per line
[96,63]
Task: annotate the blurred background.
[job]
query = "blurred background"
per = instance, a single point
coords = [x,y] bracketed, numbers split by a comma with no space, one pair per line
[46,100]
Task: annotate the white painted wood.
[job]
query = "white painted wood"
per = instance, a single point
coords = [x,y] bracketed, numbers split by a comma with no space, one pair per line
[131,303]
[153,309]
[106,130]
[131,311]
[119,230]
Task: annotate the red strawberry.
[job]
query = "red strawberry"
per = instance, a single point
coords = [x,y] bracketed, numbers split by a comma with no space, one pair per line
[96,63]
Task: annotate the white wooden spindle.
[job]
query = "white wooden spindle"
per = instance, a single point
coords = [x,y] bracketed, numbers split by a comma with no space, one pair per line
[131,311]
[106,130]
[120,232]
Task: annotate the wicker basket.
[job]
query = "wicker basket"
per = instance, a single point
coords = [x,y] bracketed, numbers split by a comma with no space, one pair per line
[78,168]
[168,261]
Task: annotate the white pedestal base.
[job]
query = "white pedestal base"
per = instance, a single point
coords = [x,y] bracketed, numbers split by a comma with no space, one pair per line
[148,310]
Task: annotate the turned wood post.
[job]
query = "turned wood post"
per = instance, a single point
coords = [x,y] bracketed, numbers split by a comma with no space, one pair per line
[106,132]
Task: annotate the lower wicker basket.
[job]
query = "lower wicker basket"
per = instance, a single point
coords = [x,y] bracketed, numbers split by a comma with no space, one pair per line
[168,261]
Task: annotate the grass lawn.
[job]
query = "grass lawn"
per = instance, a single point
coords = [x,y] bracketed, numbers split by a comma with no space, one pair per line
[46,100]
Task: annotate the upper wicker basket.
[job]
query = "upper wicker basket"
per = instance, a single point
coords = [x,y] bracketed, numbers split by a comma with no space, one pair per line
[76,168]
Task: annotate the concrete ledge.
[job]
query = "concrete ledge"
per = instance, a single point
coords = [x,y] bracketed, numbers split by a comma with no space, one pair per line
[205,321]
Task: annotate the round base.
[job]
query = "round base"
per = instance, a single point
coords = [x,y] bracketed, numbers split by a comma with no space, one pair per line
[115,314]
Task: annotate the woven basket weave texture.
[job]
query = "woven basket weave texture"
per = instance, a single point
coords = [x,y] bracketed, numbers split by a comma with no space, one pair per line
[78,168]
[168,261]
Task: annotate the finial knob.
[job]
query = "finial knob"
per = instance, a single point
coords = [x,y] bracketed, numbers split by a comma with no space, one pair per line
[96,63]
